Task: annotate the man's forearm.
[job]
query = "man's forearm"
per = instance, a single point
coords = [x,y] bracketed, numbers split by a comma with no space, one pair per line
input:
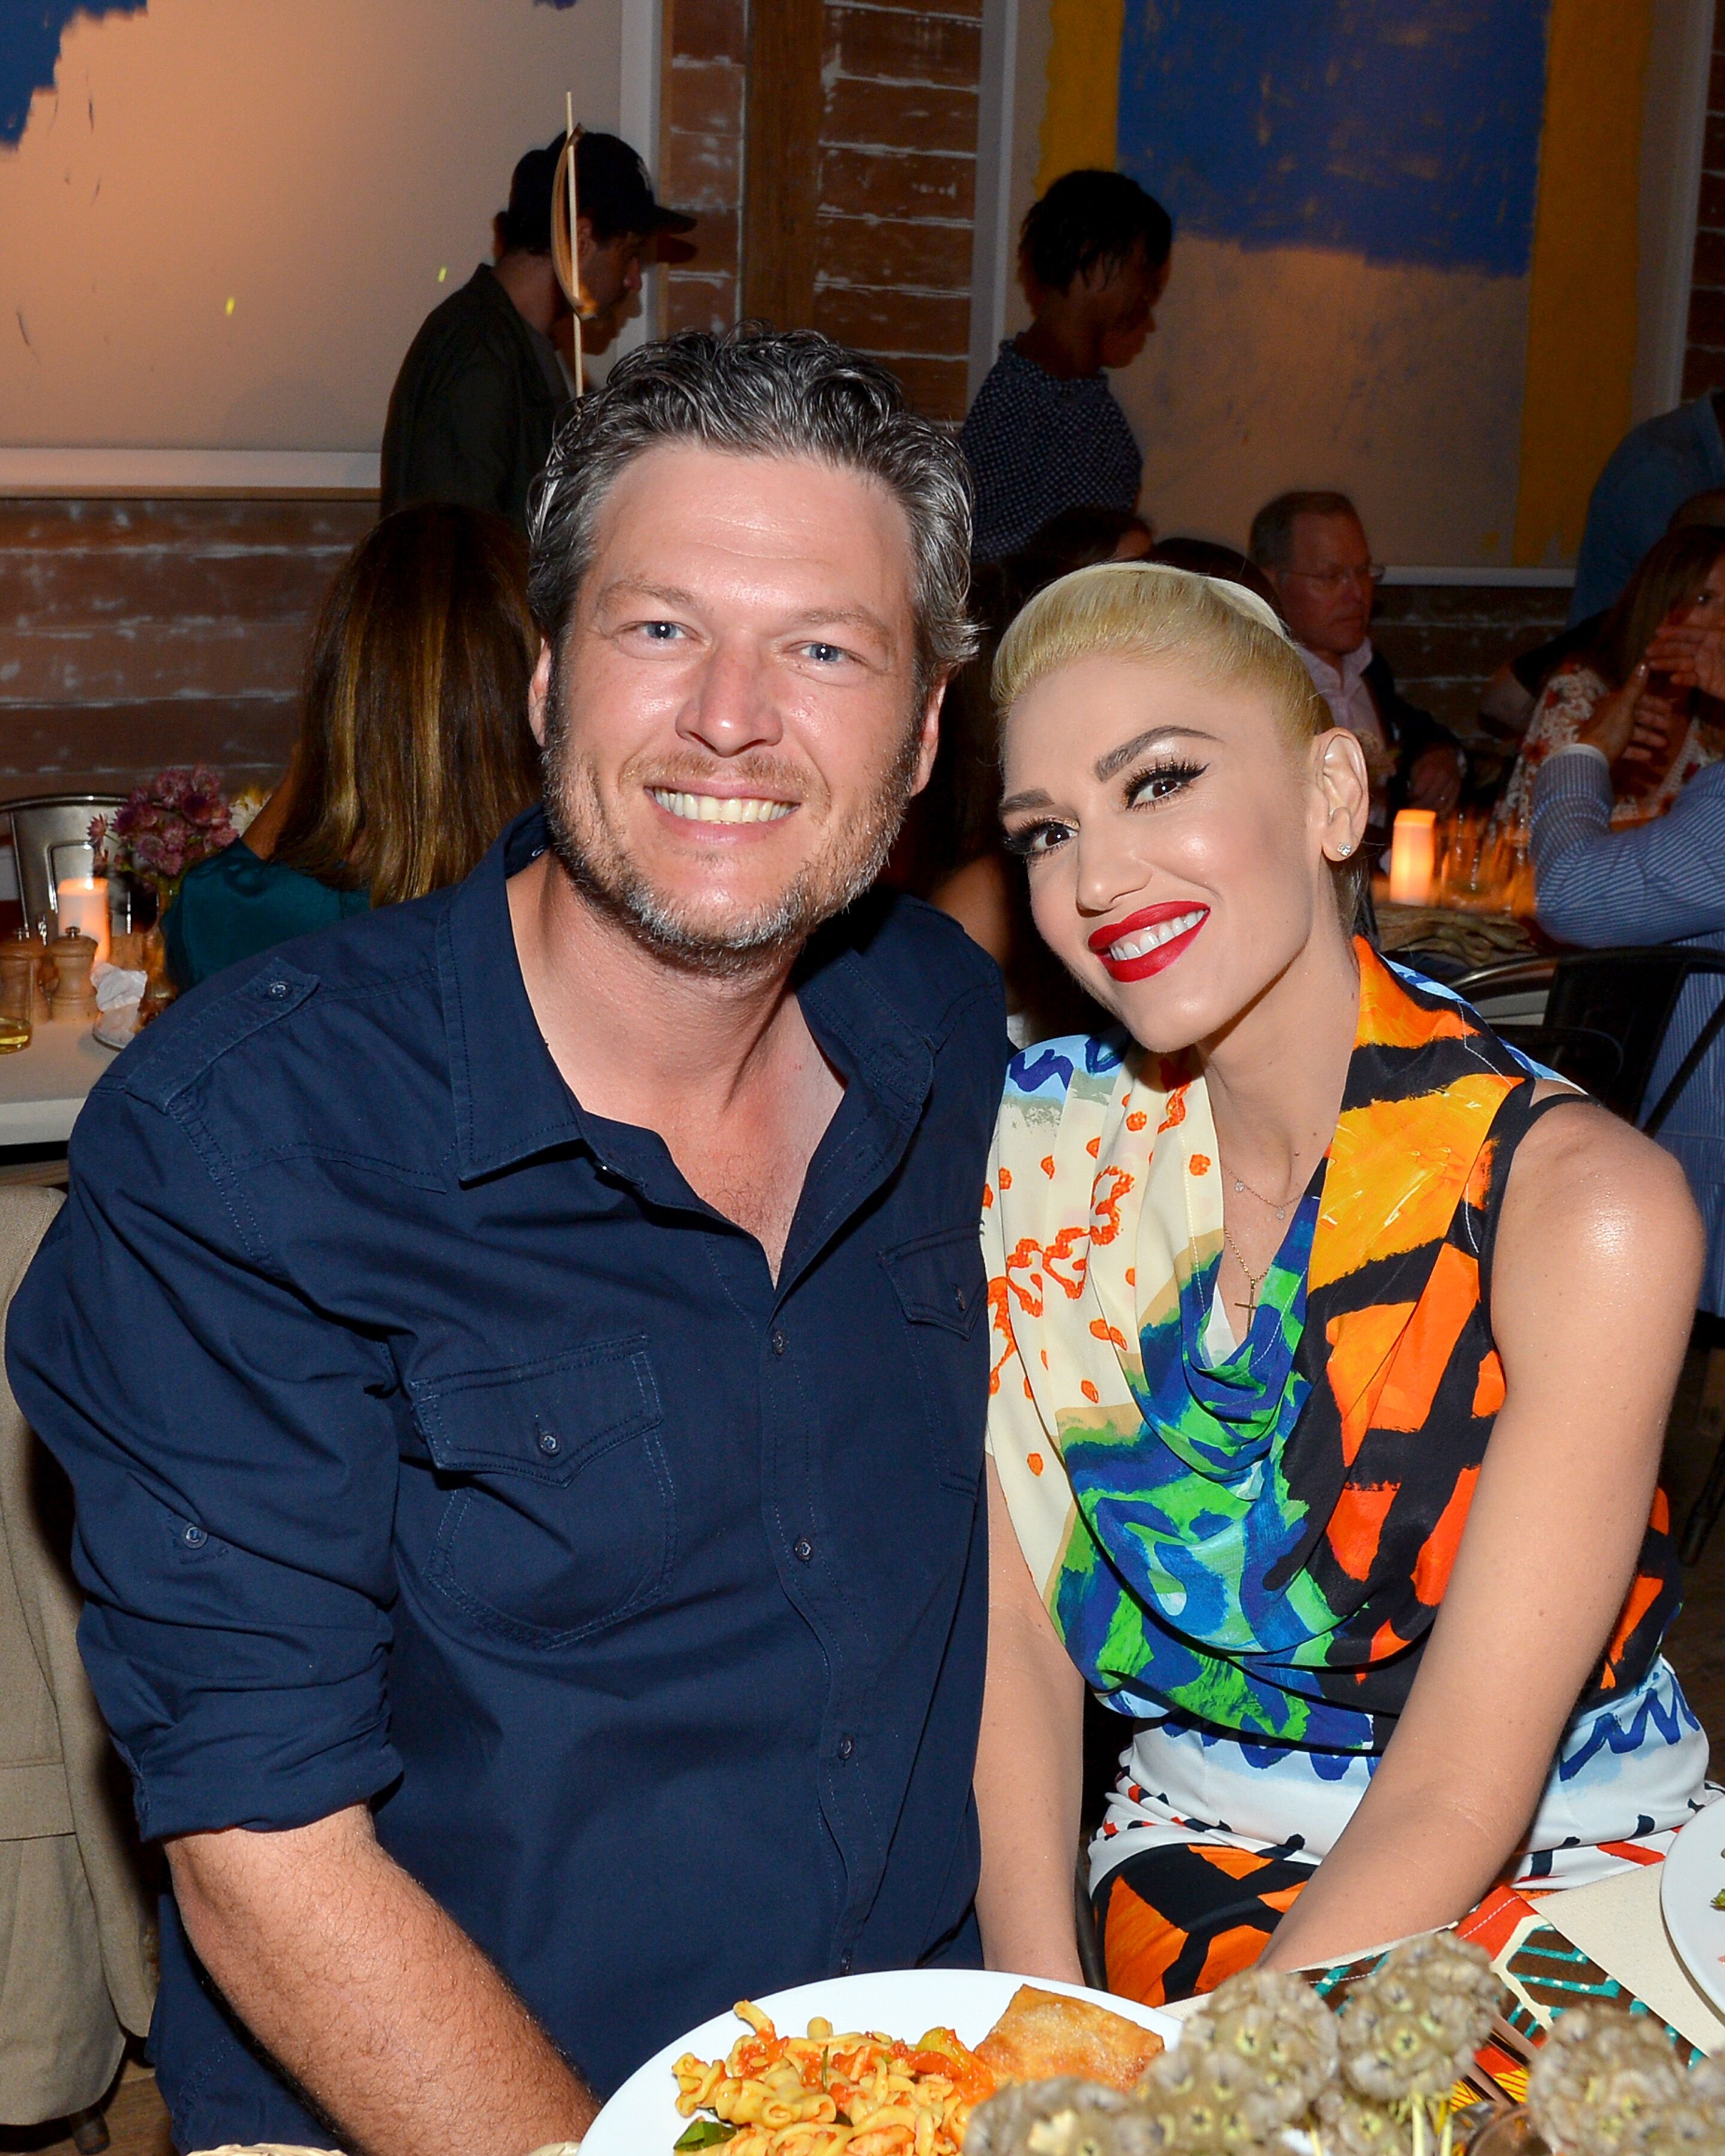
[370,1995]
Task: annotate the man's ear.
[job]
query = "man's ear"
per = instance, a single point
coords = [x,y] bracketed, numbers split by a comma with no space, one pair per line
[929,736]
[539,695]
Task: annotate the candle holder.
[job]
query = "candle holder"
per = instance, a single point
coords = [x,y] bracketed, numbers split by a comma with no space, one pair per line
[1413,856]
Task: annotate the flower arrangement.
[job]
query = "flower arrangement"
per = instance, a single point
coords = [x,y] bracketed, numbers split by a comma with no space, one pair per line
[168,825]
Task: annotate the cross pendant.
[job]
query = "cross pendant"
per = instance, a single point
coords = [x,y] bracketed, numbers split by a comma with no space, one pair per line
[1251,1303]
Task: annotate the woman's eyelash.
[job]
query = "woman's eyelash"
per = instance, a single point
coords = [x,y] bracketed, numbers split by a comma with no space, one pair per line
[1028,841]
[1171,776]
[1036,838]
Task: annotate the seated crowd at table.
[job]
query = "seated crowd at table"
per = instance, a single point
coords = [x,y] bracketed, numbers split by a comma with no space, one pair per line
[617,1419]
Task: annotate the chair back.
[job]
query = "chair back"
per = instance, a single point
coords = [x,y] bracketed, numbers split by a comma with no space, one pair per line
[1604,1018]
[43,826]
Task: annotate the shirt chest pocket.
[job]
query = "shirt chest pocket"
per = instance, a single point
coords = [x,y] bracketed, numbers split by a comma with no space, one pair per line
[557,1517]
[942,1286]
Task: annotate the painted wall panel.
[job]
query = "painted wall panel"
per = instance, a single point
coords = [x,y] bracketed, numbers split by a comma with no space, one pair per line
[1408,247]
[223,220]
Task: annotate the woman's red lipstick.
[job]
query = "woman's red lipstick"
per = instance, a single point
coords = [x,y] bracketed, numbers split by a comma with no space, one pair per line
[1157,959]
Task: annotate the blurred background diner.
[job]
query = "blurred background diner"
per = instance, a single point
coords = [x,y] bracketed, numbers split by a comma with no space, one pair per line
[414,749]
[292,316]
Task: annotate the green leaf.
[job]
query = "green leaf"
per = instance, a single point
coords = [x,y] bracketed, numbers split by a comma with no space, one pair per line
[705,2133]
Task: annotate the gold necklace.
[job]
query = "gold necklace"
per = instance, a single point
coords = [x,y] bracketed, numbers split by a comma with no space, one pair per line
[1253,1282]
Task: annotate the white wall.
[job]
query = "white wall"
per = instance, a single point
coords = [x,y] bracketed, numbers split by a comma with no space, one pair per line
[316,162]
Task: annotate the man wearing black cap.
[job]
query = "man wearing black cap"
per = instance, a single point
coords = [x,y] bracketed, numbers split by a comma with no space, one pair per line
[476,402]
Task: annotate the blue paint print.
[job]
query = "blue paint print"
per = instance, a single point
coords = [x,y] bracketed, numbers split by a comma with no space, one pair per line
[1404,130]
[30,33]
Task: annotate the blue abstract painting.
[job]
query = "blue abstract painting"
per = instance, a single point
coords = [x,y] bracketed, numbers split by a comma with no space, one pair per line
[1401,131]
[30,50]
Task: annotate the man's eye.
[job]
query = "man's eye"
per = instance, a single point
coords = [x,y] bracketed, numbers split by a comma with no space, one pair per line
[661,632]
[1035,839]
[824,655]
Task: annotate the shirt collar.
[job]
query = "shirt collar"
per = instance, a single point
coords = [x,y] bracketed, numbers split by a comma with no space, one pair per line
[510,1100]
[1333,680]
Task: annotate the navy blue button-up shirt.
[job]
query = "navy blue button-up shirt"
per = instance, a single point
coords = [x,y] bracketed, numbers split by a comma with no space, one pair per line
[436,1445]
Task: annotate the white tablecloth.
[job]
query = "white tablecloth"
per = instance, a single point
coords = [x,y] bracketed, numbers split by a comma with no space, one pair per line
[42,1087]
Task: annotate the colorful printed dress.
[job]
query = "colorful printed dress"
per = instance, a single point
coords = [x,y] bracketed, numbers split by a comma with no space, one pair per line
[1243,1556]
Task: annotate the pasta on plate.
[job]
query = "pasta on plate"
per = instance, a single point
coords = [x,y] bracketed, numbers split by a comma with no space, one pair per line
[860,2093]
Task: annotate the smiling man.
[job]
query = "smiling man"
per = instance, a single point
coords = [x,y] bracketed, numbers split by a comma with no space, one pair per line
[519,1356]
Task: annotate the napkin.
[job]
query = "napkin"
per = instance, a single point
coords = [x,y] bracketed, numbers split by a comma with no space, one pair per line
[119,989]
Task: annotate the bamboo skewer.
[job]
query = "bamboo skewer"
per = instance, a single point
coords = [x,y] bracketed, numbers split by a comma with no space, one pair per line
[574,242]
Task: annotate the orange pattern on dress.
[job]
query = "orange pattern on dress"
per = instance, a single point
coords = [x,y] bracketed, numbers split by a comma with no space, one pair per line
[1422,1355]
[1437,1554]
[1641,1597]
[1360,1344]
[1358,1522]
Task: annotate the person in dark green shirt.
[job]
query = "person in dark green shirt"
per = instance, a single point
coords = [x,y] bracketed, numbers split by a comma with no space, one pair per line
[414,748]
[478,397]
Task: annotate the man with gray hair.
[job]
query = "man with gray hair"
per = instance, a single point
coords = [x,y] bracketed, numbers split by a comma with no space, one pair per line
[1311,547]
[521,1356]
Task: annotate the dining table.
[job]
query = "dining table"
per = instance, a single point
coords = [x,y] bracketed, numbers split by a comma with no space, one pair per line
[43,1086]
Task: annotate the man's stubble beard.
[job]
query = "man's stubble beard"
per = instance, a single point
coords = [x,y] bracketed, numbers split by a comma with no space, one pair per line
[594,855]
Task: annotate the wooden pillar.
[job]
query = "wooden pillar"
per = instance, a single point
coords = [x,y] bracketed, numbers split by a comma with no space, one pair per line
[782,163]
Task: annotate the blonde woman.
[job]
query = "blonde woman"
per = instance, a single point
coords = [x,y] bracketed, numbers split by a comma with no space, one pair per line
[1332,1351]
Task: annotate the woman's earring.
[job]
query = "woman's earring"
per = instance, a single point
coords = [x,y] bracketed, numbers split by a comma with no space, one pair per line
[1344,850]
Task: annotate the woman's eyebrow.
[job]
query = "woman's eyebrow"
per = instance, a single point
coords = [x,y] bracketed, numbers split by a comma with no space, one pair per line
[1118,759]
[1033,796]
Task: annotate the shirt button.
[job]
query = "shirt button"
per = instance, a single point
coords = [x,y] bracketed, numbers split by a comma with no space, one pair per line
[844,1962]
[778,1344]
[278,987]
[802,1547]
[194,1538]
[547,1442]
[958,1297]
[847,1745]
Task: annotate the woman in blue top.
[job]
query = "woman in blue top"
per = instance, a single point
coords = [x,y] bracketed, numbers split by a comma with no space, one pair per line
[413,753]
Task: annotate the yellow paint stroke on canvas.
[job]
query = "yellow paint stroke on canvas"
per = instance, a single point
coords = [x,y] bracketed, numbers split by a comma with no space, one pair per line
[1581,311]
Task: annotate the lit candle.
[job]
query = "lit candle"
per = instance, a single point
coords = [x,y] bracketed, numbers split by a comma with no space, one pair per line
[83,905]
[1412,855]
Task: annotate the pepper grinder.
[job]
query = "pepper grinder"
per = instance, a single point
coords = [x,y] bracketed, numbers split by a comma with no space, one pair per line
[73,997]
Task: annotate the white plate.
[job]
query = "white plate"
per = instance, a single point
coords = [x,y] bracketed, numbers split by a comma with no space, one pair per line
[1691,1875]
[642,2120]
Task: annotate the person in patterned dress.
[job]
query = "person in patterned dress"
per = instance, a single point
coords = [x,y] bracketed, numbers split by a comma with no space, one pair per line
[1681,583]
[1332,1348]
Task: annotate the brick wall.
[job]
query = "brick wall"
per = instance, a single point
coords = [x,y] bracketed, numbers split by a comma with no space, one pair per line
[134,634]
[897,190]
[896,171]
[1444,642]
[1704,361]
[706,49]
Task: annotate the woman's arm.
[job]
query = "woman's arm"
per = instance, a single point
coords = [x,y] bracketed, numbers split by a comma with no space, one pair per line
[1598,1259]
[1029,1769]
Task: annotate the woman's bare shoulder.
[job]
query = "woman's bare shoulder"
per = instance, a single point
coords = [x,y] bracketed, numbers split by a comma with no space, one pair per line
[1588,1190]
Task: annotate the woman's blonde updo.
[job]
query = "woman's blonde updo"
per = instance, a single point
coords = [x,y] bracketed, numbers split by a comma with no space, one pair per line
[1146,610]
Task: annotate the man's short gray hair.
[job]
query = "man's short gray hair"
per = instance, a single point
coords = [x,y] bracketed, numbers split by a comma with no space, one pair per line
[1271,545]
[755,392]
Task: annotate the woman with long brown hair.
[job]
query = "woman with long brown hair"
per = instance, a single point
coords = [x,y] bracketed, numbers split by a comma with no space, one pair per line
[414,750]
[1681,580]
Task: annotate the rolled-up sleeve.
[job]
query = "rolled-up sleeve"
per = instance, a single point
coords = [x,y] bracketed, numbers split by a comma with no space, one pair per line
[233,1453]
[1656,882]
